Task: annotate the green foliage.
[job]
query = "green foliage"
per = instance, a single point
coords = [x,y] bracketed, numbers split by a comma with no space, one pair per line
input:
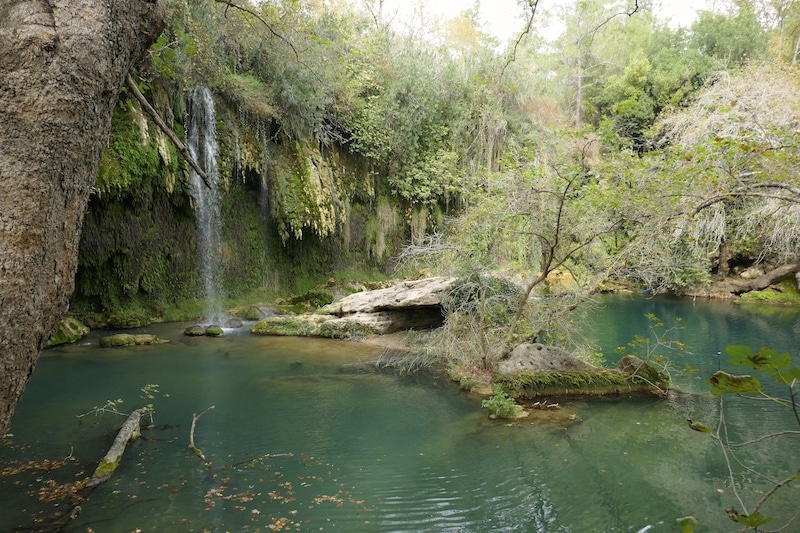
[501,405]
[730,40]
[659,349]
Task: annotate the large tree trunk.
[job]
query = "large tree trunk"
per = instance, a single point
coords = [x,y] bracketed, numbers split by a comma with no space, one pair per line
[62,64]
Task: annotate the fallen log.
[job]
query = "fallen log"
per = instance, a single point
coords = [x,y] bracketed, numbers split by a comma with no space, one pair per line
[109,463]
[739,286]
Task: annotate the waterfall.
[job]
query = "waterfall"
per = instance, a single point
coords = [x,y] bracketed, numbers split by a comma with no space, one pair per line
[202,144]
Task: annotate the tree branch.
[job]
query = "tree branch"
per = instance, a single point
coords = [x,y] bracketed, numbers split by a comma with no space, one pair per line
[192,447]
[269,27]
[532,5]
[166,129]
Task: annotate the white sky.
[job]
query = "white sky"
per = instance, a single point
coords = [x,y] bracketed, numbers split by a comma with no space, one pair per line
[503,18]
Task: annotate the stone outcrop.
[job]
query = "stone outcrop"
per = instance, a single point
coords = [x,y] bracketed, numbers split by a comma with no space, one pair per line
[408,295]
[69,330]
[410,304]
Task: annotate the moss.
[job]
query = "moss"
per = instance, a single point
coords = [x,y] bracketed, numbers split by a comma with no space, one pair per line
[603,382]
[341,329]
[214,331]
[314,298]
[783,293]
[69,330]
[105,469]
[290,326]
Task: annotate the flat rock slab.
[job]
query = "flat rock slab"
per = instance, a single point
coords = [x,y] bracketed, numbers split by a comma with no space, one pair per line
[406,295]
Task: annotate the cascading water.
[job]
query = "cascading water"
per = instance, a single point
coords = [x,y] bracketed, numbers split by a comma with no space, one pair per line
[202,145]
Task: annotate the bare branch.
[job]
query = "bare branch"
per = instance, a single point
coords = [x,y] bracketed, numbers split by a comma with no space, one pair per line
[269,27]
[532,5]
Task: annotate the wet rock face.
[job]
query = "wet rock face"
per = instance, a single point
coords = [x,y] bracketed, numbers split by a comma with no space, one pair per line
[535,358]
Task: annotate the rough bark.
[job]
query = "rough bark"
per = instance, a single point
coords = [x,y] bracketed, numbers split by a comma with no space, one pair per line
[62,64]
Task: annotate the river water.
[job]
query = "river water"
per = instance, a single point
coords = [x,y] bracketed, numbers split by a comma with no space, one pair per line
[297,443]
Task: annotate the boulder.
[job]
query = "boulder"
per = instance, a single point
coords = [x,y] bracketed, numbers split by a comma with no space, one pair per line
[635,368]
[214,331]
[233,323]
[69,330]
[534,370]
[535,358]
[253,313]
[195,331]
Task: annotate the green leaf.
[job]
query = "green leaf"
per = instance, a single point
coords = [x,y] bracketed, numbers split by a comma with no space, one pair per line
[788,376]
[722,382]
[699,426]
[753,520]
[764,360]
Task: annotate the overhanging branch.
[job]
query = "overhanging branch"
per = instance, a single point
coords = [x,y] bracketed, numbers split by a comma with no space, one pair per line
[166,129]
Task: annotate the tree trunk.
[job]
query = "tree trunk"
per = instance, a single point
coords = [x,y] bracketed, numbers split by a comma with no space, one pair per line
[62,64]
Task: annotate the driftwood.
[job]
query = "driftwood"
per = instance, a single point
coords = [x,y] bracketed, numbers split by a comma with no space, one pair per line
[109,463]
[166,129]
[195,449]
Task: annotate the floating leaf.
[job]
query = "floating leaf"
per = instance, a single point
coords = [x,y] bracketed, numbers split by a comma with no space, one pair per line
[699,426]
[722,382]
[687,524]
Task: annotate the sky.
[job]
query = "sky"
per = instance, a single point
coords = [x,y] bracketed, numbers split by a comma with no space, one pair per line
[503,18]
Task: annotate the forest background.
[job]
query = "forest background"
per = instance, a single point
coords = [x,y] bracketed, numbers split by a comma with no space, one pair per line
[621,152]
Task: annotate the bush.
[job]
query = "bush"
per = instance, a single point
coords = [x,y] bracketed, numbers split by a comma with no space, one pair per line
[501,406]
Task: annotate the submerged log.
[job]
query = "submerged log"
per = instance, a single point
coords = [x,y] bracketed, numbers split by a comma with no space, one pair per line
[197,451]
[109,463]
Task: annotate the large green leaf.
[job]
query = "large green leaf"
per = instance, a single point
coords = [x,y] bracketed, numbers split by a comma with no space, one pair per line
[765,360]
[722,382]
[753,520]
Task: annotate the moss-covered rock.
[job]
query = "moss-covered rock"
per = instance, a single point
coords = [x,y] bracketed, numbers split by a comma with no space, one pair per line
[214,331]
[126,339]
[285,325]
[195,331]
[69,330]
[253,313]
[535,370]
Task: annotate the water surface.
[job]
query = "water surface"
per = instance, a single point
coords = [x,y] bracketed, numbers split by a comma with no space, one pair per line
[299,443]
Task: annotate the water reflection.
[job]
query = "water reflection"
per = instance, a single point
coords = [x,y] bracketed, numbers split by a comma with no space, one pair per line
[298,444]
